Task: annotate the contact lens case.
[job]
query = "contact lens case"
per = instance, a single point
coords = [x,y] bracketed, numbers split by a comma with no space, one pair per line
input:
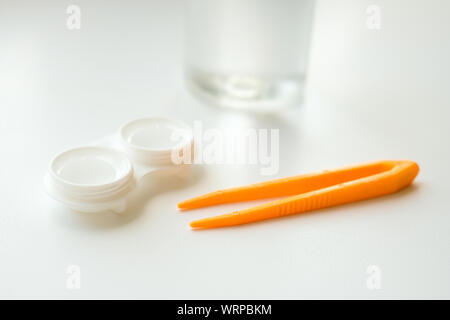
[101,176]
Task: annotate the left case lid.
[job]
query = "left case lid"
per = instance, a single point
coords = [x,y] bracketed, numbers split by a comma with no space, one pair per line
[90,178]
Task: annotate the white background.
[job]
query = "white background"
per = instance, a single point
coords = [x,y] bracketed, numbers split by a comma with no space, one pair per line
[372,95]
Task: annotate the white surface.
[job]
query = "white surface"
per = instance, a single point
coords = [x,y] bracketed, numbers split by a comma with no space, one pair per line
[373,95]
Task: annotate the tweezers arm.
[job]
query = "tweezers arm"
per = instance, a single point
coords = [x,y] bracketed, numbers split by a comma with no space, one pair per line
[287,186]
[400,176]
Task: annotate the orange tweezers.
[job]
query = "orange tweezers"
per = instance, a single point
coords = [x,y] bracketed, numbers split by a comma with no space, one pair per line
[307,192]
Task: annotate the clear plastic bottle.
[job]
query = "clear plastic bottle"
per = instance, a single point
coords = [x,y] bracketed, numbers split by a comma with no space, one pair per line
[248,54]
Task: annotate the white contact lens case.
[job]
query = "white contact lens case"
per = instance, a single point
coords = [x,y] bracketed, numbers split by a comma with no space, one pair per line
[102,176]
